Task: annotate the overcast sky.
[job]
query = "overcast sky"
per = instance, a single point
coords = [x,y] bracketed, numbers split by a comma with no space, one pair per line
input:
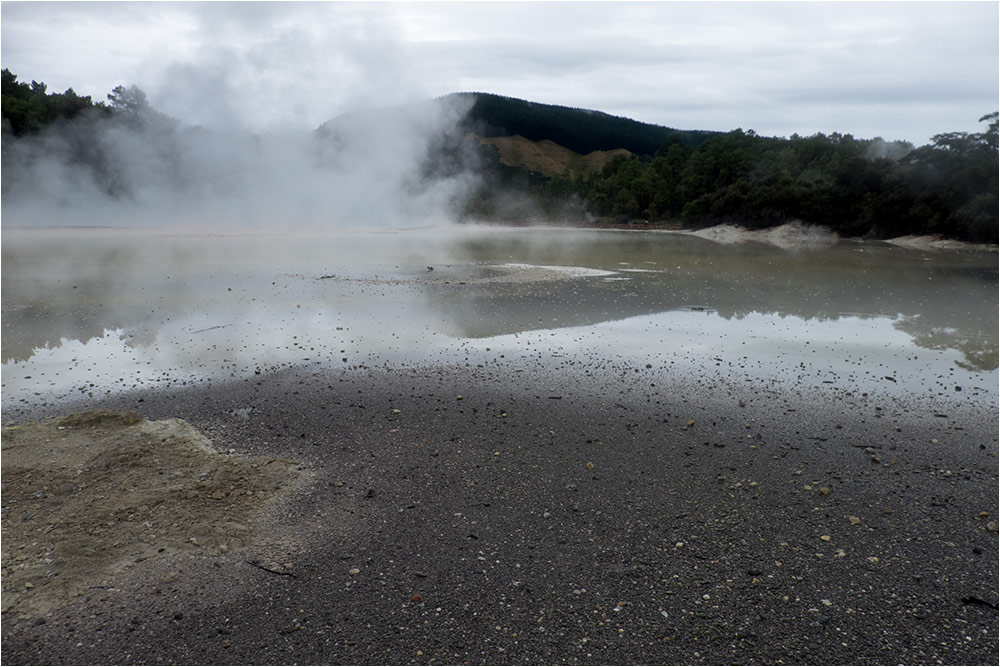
[899,70]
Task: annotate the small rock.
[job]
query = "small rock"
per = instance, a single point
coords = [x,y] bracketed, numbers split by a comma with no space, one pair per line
[354,570]
[590,466]
[825,538]
[855,520]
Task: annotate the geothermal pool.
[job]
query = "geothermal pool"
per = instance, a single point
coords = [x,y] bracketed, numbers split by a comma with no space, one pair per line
[93,312]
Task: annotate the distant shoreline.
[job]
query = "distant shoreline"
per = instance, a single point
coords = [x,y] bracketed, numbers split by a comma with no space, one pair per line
[728,231]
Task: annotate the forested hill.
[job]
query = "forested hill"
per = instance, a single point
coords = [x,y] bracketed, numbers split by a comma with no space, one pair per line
[519,161]
[856,186]
[579,130]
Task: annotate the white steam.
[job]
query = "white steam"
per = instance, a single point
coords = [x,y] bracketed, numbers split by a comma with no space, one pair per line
[371,170]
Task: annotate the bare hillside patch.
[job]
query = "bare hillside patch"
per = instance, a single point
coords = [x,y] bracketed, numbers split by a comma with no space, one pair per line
[547,157]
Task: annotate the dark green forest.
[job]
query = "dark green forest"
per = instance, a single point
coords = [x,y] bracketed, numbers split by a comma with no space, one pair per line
[857,187]
[29,107]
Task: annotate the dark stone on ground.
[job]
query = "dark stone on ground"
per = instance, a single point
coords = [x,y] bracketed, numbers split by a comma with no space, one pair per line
[481,535]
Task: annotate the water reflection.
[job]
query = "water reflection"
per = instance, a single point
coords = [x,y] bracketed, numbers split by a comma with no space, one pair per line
[942,299]
[103,310]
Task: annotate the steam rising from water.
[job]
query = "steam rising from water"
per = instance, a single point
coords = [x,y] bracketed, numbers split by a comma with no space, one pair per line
[363,171]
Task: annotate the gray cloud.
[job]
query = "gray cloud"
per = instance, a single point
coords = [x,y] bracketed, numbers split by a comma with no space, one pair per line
[896,69]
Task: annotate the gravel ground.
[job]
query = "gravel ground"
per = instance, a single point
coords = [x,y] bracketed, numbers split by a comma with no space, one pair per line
[501,515]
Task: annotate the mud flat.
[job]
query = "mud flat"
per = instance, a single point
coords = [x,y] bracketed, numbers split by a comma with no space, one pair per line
[508,514]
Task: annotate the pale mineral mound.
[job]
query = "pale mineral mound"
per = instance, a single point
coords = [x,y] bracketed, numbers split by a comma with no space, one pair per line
[89,494]
[791,236]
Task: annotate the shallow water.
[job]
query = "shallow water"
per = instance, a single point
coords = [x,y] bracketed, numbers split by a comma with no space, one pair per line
[90,312]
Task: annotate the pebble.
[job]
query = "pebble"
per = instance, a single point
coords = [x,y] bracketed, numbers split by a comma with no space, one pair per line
[354,570]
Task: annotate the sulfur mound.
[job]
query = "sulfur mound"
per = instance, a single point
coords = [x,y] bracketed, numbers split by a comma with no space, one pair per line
[89,494]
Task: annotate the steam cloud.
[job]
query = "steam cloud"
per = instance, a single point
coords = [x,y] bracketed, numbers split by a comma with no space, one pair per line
[365,170]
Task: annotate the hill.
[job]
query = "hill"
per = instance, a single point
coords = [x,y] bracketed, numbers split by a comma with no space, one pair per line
[547,162]
[488,157]
[580,130]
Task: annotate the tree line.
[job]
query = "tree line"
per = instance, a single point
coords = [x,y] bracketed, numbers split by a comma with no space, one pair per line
[28,108]
[856,187]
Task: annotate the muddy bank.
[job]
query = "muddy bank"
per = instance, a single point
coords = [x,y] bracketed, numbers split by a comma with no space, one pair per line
[509,515]
[90,495]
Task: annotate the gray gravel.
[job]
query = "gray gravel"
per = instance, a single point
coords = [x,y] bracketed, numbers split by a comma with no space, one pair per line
[489,516]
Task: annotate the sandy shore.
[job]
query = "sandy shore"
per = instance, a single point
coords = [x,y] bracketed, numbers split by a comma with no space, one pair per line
[509,515]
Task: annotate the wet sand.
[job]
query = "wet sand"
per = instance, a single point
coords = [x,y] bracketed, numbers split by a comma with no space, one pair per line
[509,515]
